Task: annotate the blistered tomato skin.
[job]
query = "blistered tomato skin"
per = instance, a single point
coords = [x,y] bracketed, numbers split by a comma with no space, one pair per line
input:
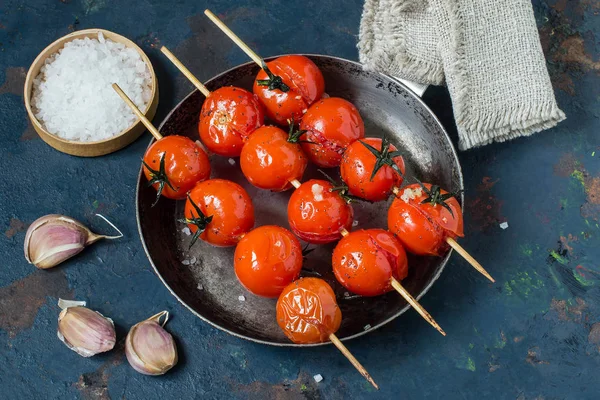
[357,167]
[306,84]
[185,164]
[317,214]
[307,311]
[228,116]
[365,261]
[230,207]
[267,259]
[270,162]
[423,228]
[331,125]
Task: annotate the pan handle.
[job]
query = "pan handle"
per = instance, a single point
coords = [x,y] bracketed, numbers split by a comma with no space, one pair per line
[418,88]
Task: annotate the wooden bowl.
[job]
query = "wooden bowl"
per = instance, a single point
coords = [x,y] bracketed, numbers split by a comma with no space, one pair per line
[100,147]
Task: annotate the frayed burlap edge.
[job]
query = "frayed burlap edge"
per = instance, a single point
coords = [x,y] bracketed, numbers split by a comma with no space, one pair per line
[398,62]
[480,128]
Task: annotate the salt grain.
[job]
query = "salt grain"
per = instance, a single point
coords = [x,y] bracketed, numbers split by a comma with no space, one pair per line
[231,161]
[72,95]
[200,287]
[317,191]
[186,231]
[355,223]
[411,194]
[318,378]
[193,260]
[241,298]
[504,225]
[367,327]
[186,262]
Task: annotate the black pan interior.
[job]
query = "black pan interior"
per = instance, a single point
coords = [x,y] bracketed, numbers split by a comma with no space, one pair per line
[203,278]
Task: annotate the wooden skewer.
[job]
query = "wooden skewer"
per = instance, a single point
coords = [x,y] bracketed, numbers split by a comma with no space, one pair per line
[137,112]
[407,296]
[460,250]
[415,304]
[295,183]
[334,339]
[203,89]
[235,38]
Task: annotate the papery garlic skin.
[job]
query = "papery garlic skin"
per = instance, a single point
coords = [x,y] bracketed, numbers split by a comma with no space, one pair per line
[85,331]
[55,238]
[149,348]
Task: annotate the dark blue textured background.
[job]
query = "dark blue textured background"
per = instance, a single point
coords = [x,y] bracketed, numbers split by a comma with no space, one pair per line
[533,335]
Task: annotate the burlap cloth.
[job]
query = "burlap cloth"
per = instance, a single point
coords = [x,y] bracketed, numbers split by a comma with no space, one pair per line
[487,52]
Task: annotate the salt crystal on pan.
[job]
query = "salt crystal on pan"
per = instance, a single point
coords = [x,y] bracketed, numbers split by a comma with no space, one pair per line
[367,327]
[200,287]
[72,95]
[355,223]
[346,294]
[504,225]
[193,260]
[186,231]
[186,262]
[241,298]
[318,378]
[231,161]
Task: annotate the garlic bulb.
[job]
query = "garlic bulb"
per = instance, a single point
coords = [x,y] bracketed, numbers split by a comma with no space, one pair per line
[84,331]
[55,238]
[149,348]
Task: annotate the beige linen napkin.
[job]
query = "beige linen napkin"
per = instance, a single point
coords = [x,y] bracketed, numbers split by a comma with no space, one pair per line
[487,52]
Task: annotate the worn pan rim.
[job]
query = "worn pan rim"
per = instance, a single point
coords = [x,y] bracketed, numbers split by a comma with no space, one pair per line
[434,278]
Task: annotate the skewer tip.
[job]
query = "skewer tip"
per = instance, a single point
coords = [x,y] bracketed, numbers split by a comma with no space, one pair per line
[336,341]
[474,263]
[415,304]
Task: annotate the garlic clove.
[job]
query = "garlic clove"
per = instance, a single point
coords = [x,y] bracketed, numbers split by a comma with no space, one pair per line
[85,331]
[55,238]
[149,348]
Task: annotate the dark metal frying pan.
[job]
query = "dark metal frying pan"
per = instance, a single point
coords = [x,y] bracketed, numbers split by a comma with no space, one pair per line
[203,278]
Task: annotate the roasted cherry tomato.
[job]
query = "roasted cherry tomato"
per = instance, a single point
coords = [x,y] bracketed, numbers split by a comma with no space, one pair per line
[267,259]
[271,158]
[317,213]
[291,85]
[365,261]
[371,170]
[174,164]
[228,116]
[423,217]
[219,211]
[307,311]
[331,125]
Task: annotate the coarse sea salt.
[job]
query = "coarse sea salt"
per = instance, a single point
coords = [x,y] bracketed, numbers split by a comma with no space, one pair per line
[72,95]
[411,194]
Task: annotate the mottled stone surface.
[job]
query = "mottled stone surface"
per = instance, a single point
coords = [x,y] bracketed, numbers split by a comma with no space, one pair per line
[533,335]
